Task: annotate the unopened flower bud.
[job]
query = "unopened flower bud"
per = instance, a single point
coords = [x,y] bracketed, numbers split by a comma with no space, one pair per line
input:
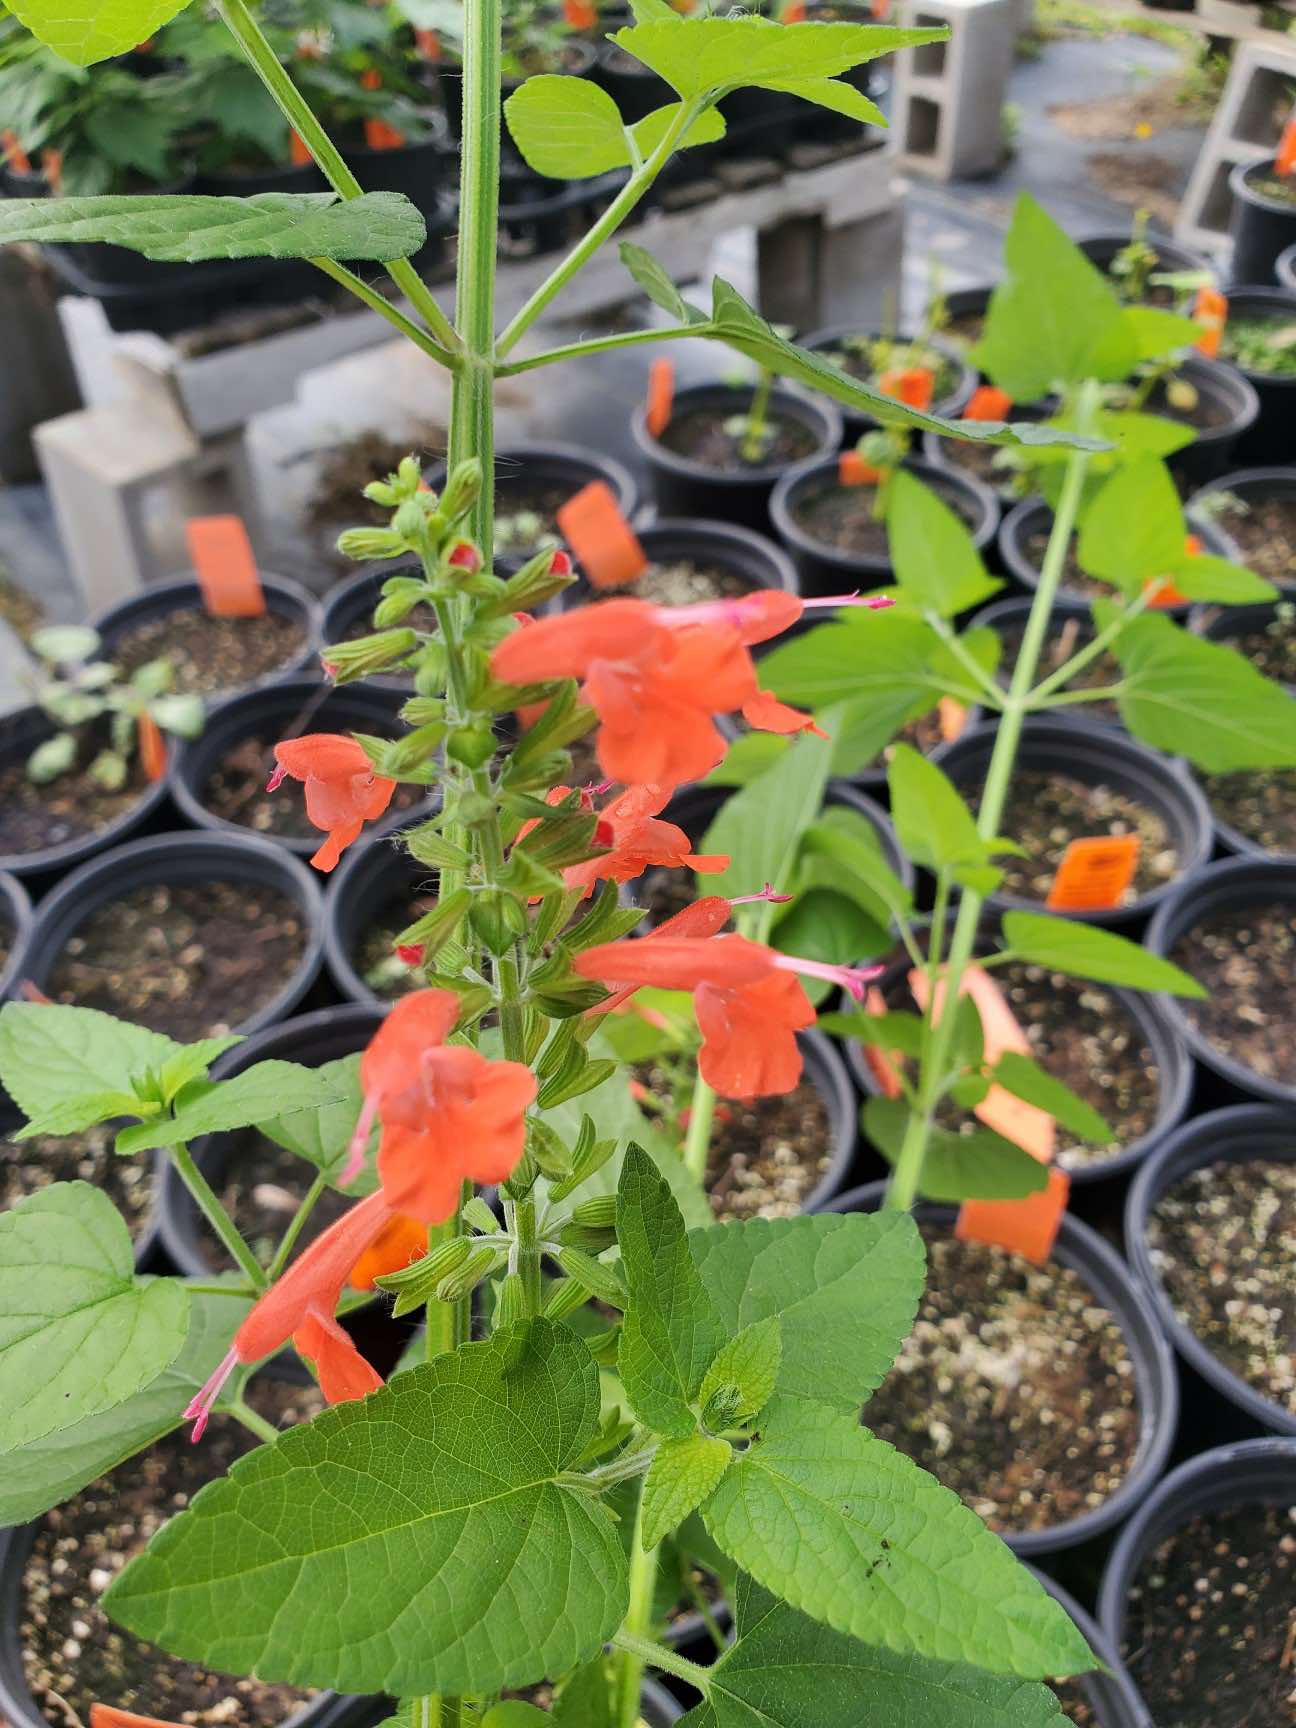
[410,520]
[464,556]
[598,1213]
[462,489]
[409,475]
[367,543]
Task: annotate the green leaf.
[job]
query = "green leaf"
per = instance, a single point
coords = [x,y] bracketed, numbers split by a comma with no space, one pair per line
[935,826]
[932,553]
[1198,699]
[850,1531]
[192,1062]
[66,643]
[513,1713]
[788,1671]
[1026,1079]
[670,1333]
[1135,528]
[681,1476]
[708,128]
[978,1165]
[84,31]
[75,1114]
[52,1057]
[1084,951]
[1134,434]
[273,1091]
[44,1472]
[1202,576]
[79,1332]
[585,1700]
[761,826]
[1154,333]
[187,229]
[658,285]
[351,1552]
[52,757]
[567,128]
[322,1135]
[747,1366]
[1054,319]
[896,1031]
[844,1287]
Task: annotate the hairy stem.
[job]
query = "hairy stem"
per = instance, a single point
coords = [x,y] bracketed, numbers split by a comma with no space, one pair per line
[648,1654]
[599,345]
[633,1640]
[378,303]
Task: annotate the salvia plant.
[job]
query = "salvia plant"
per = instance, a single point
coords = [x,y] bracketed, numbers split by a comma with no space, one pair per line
[608,1383]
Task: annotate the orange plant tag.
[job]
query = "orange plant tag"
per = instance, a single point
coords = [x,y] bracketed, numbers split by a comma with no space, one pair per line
[225,566]
[14,154]
[1028,1227]
[853,470]
[152,747]
[52,169]
[794,12]
[1094,873]
[953,718]
[298,154]
[380,136]
[661,396]
[427,44]
[877,1060]
[912,385]
[600,537]
[881,10]
[1285,160]
[1210,310]
[580,15]
[988,403]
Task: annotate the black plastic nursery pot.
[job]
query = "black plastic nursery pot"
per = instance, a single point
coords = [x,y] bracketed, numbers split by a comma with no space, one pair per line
[327,1035]
[658,1708]
[1285,269]
[1070,628]
[965,311]
[1251,1474]
[245,883]
[370,898]
[1023,535]
[949,401]
[824,568]
[1083,1252]
[728,488]
[1248,907]
[1103,759]
[1169,1058]
[147,626]
[18,1704]
[79,824]
[977,460]
[535,480]
[1262,523]
[1263,224]
[1102,249]
[224,769]
[15,931]
[1236,1136]
[689,560]
[1110,1697]
[1227,408]
[1272,435]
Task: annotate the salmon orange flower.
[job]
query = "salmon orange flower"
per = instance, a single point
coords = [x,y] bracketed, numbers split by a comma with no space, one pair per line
[342,790]
[301,1306]
[748,1002]
[399,1243]
[635,838]
[448,1113]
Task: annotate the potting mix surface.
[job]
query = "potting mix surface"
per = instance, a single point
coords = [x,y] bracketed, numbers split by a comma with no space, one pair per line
[1271,646]
[1062,642]
[717,438]
[844,517]
[208,654]
[35,817]
[1266,345]
[1259,804]
[261,1188]
[1264,529]
[375,957]
[1246,959]
[675,582]
[26,1166]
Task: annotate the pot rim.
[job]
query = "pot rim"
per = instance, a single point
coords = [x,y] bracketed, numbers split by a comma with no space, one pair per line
[715,538]
[18,905]
[822,417]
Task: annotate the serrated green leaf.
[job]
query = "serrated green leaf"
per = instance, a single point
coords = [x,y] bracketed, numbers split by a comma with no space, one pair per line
[851,1532]
[844,1287]
[274,1091]
[1135,528]
[84,1111]
[1026,1079]
[84,31]
[670,1333]
[568,129]
[340,1556]
[749,1364]
[79,1332]
[514,1713]
[322,1134]
[708,128]
[876,667]
[978,1165]
[45,1472]
[935,826]
[1084,951]
[788,1671]
[192,1063]
[653,281]
[183,228]
[52,1056]
[932,554]
[681,1476]
[1155,332]
[1202,576]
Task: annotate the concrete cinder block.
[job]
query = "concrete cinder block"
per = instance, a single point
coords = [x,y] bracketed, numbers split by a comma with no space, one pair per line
[1246,126]
[948,95]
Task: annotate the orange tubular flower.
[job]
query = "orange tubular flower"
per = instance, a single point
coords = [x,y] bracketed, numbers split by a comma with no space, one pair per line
[301,1307]
[635,839]
[399,1243]
[449,1114]
[342,790]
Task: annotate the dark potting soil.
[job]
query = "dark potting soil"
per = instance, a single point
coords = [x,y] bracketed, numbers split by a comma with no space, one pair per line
[1271,648]
[72,1654]
[842,516]
[236,790]
[262,1187]
[1045,811]
[1246,959]
[1074,579]
[1265,531]
[869,357]
[189,959]
[1015,1387]
[34,817]
[1075,1705]
[1179,400]
[1060,644]
[1266,345]
[1258,803]
[339,502]
[1224,1242]
[1281,187]
[209,654]
[966,330]
[715,438]
[982,462]
[375,957]
[6,943]
[924,734]
[1209,1634]
[26,1166]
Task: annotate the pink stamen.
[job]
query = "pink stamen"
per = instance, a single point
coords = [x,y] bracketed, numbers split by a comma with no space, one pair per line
[276,780]
[766,893]
[359,1141]
[871,602]
[199,1409]
[328,668]
[851,978]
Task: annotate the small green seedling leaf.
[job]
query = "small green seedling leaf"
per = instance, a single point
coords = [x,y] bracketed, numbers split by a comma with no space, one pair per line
[681,1476]
[743,1375]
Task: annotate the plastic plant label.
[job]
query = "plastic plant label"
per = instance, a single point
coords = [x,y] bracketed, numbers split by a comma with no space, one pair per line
[225,566]
[987,402]
[1210,310]
[1285,160]
[579,14]
[152,747]
[661,396]
[16,158]
[427,44]
[1027,1227]
[380,136]
[878,1062]
[953,717]
[1094,873]
[298,154]
[601,539]
[912,385]
[853,470]
[794,12]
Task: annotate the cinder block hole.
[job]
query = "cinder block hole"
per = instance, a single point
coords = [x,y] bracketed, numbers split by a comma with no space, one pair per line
[929,61]
[1217,205]
[1264,110]
[922,134]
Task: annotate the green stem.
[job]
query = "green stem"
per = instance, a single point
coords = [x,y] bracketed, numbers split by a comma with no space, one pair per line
[442,1327]
[907,1177]
[524,1258]
[753,443]
[697,1142]
[1090,652]
[294,1229]
[215,1214]
[254,1423]
[633,1639]
[603,229]
[1099,693]
[600,345]
[296,110]
[991,692]
[647,1653]
[383,307]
